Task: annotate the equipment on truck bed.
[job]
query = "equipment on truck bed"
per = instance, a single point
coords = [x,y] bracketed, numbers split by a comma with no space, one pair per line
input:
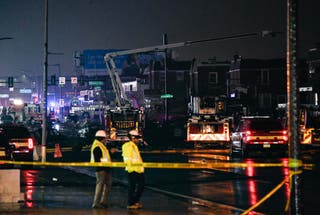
[206,127]
[309,125]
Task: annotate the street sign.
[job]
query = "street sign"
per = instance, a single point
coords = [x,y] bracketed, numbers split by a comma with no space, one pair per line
[95,83]
[305,89]
[166,96]
[62,80]
[74,80]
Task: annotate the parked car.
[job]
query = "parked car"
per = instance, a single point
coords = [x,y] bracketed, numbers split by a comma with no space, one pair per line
[17,142]
[261,133]
[6,119]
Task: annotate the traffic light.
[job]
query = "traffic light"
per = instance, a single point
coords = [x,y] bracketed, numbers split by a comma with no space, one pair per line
[10,82]
[53,80]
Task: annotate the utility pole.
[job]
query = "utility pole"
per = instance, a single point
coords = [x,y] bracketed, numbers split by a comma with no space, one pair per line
[45,87]
[293,104]
[165,42]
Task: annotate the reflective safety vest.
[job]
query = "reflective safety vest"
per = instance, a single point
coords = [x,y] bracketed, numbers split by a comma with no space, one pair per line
[131,155]
[105,153]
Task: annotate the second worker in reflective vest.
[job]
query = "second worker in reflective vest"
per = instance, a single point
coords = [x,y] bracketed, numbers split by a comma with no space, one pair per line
[131,155]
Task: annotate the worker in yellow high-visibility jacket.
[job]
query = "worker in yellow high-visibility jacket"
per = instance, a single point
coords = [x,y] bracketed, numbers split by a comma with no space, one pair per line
[100,153]
[131,155]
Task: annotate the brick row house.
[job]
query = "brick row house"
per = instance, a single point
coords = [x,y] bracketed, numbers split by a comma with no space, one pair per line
[250,86]
[257,86]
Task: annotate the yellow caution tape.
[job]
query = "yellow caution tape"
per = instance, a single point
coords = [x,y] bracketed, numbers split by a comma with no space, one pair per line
[203,165]
[264,198]
[168,165]
[292,173]
[294,163]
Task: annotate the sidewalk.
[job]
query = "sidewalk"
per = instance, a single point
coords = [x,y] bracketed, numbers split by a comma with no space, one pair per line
[62,200]
[72,199]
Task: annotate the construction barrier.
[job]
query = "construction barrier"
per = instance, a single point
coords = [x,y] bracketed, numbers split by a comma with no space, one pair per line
[10,192]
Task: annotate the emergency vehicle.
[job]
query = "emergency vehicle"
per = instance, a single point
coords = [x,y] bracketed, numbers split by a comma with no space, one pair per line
[207,126]
[259,133]
[123,117]
[310,125]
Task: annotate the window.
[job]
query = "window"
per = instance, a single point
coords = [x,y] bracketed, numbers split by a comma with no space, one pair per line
[264,100]
[281,99]
[213,78]
[264,76]
[162,79]
[235,77]
[162,76]
[180,75]
[265,124]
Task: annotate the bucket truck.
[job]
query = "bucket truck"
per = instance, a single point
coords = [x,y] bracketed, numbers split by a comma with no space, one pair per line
[124,116]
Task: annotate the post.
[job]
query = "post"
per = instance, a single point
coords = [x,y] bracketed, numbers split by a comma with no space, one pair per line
[165,42]
[61,108]
[292,103]
[45,75]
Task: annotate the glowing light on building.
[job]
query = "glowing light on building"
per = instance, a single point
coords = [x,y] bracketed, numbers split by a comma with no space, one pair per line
[18,102]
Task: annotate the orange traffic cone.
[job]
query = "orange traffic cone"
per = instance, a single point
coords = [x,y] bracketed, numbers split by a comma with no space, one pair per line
[57,151]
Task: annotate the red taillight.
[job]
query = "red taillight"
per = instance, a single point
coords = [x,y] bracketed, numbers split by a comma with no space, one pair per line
[30,143]
[247,135]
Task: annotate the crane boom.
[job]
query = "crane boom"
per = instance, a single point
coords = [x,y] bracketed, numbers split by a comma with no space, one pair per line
[160,48]
[121,98]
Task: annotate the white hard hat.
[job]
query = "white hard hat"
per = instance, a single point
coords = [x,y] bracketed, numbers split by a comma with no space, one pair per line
[101,133]
[134,133]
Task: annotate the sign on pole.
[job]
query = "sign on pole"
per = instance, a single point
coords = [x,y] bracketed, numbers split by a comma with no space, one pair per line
[62,80]
[166,96]
[74,80]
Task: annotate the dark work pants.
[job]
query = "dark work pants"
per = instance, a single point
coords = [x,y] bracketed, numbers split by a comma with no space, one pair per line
[136,185]
[103,185]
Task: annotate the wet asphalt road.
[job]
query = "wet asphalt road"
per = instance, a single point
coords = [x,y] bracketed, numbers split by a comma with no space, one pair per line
[56,191]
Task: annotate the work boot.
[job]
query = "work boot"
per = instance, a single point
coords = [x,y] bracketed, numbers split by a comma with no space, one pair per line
[134,206]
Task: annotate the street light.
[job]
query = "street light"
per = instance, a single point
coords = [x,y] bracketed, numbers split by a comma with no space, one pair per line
[55,53]
[6,38]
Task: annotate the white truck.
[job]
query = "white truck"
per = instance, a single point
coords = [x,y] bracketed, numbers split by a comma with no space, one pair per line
[205,127]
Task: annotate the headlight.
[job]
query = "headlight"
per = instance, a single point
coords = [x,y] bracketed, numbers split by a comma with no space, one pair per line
[82,132]
[57,127]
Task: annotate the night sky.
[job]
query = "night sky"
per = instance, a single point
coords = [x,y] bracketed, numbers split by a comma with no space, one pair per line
[127,24]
